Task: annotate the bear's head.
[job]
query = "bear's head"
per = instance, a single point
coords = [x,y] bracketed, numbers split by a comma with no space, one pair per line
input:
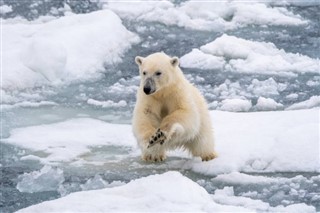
[157,71]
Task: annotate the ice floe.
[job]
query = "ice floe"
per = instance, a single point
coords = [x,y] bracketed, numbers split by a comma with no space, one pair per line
[73,47]
[47,179]
[267,104]
[260,141]
[202,15]
[314,101]
[107,104]
[65,141]
[227,197]
[28,104]
[169,191]
[267,87]
[240,55]
[235,105]
[5,9]
[264,141]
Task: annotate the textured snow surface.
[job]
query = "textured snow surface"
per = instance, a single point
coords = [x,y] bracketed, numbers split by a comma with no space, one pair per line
[170,191]
[235,105]
[67,140]
[261,142]
[265,104]
[74,47]
[314,101]
[240,55]
[197,15]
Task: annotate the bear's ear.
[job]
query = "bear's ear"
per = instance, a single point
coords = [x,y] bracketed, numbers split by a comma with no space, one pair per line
[139,60]
[174,61]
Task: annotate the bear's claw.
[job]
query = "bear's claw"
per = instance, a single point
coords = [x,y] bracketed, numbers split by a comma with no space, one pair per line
[209,156]
[158,137]
[154,158]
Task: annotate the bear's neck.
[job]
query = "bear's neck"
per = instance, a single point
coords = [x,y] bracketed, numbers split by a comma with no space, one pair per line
[170,91]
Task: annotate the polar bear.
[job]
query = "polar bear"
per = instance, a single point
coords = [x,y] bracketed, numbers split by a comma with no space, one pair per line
[170,112]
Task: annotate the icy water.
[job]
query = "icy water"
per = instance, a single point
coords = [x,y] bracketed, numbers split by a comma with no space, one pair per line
[111,166]
[117,169]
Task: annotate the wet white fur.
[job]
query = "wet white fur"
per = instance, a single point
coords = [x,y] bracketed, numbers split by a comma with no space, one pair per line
[177,108]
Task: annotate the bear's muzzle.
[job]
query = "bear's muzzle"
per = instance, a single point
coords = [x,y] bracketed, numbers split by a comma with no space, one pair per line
[149,86]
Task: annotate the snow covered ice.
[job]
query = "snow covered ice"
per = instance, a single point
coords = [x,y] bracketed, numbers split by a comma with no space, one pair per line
[68,85]
[247,56]
[170,191]
[274,144]
[69,48]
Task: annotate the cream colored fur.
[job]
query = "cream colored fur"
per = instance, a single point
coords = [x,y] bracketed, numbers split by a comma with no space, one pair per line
[176,108]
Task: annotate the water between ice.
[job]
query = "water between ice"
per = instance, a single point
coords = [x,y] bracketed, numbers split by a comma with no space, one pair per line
[25,181]
[110,166]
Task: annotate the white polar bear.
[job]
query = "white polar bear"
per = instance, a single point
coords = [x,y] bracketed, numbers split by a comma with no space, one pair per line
[170,112]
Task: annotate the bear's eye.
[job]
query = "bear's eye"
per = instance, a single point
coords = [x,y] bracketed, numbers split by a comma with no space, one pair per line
[158,73]
[144,73]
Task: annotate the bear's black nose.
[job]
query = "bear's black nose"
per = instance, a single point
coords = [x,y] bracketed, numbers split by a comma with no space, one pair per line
[147,90]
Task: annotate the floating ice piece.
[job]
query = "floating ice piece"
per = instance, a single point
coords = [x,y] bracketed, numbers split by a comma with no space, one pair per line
[198,59]
[230,90]
[293,2]
[95,183]
[47,179]
[168,192]
[311,83]
[208,16]
[247,56]
[65,141]
[28,104]
[107,104]
[69,48]
[267,104]
[292,96]
[4,9]
[226,197]
[233,14]
[314,101]
[266,88]
[244,179]
[235,105]
[98,183]
[33,158]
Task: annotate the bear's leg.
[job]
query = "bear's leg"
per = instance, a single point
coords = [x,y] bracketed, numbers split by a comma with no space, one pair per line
[158,137]
[144,129]
[154,153]
[161,136]
[178,126]
[202,147]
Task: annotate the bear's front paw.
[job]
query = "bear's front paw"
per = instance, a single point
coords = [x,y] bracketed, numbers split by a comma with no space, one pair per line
[154,158]
[209,156]
[158,137]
